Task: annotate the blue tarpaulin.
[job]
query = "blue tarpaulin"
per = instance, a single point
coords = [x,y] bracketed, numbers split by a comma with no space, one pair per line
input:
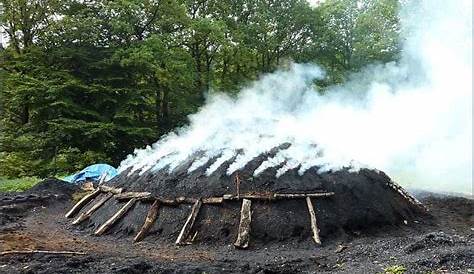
[92,173]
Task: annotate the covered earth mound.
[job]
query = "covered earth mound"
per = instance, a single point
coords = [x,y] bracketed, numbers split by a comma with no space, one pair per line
[361,200]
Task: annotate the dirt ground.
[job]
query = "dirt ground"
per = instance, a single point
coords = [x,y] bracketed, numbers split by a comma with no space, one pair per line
[34,220]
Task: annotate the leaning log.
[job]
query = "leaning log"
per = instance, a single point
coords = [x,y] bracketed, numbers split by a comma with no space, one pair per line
[314,225]
[244,226]
[183,235]
[84,216]
[79,205]
[103,228]
[149,220]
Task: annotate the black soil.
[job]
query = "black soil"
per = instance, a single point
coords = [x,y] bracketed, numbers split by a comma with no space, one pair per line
[442,244]
[363,201]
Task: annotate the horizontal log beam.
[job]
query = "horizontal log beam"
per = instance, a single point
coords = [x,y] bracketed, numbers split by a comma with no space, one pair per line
[135,195]
[112,190]
[301,195]
[212,200]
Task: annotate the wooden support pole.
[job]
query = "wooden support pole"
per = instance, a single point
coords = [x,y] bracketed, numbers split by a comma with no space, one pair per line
[103,228]
[314,225]
[243,235]
[84,216]
[135,195]
[150,219]
[79,205]
[183,235]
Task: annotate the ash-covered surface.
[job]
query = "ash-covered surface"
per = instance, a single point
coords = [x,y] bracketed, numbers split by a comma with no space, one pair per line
[444,245]
[363,200]
[14,205]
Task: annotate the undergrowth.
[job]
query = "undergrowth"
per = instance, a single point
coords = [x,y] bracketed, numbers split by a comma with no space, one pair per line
[18,184]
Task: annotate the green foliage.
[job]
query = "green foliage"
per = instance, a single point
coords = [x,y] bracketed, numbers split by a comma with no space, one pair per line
[17,185]
[88,81]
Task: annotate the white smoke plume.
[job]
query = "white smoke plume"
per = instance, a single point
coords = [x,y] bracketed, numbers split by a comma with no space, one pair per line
[412,119]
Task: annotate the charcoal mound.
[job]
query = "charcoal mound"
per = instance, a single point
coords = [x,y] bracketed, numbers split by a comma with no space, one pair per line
[362,200]
[54,186]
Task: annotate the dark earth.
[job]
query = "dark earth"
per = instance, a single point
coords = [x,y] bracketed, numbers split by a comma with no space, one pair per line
[34,220]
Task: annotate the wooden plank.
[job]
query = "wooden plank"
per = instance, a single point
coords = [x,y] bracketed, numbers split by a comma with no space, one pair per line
[135,195]
[84,216]
[243,235]
[183,235]
[79,205]
[302,195]
[314,225]
[150,219]
[103,228]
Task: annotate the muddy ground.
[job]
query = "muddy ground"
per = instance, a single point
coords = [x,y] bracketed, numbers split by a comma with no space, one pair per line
[34,220]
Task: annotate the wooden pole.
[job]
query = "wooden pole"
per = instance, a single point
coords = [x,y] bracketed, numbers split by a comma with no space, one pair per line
[103,228]
[150,219]
[79,205]
[183,235]
[86,215]
[314,226]
[243,235]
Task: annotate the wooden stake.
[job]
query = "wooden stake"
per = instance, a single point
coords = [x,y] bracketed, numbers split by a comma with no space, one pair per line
[103,228]
[86,215]
[150,219]
[183,235]
[314,226]
[244,226]
[79,205]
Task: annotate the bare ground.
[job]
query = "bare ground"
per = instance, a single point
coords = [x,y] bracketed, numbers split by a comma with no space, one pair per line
[35,220]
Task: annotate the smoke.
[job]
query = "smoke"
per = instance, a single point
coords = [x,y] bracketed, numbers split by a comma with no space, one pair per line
[412,119]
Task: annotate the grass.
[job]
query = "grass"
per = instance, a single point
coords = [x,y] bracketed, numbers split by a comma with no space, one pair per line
[395,269]
[16,185]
